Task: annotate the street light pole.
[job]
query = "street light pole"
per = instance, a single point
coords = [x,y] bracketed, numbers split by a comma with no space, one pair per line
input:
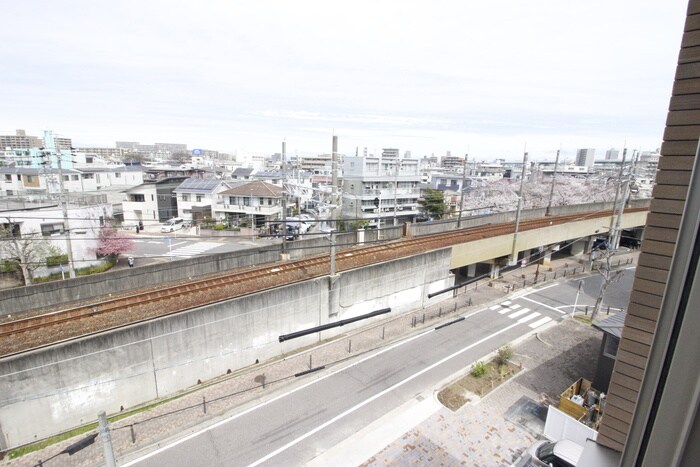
[252,222]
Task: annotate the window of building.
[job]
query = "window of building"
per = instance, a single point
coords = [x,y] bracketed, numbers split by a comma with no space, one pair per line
[610,348]
[75,178]
[19,177]
[138,198]
[199,198]
[88,159]
[117,175]
[8,177]
[30,178]
[185,197]
[66,178]
[152,198]
[51,229]
[88,176]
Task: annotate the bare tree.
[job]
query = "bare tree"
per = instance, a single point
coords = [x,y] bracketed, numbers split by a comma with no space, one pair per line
[26,251]
[603,265]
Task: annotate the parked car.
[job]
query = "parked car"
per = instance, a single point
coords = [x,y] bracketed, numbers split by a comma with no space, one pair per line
[172,225]
[562,453]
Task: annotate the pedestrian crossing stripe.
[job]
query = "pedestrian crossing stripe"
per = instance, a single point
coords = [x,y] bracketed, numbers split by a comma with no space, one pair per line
[194,249]
[528,317]
[495,307]
[506,303]
[509,309]
[540,322]
[519,313]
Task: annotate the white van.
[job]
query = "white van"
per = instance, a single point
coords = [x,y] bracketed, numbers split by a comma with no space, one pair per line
[173,224]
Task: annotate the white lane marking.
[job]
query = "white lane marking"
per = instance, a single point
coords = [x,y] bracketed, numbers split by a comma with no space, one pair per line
[496,307]
[537,290]
[544,305]
[178,244]
[515,306]
[376,396]
[519,313]
[274,399]
[540,322]
[528,317]
[506,303]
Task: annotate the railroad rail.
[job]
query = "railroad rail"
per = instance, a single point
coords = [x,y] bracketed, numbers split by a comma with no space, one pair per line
[66,324]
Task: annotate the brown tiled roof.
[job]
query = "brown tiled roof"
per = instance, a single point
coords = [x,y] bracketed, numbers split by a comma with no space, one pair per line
[255,188]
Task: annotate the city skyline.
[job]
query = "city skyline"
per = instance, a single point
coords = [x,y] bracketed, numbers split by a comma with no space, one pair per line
[491,80]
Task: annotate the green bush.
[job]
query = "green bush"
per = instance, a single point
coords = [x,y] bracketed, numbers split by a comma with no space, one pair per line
[478,369]
[219,227]
[504,354]
[9,266]
[56,260]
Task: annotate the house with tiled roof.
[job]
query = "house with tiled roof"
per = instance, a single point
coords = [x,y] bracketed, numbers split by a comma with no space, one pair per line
[196,196]
[258,200]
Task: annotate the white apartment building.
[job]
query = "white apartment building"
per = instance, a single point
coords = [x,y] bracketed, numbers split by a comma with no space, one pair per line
[381,190]
[151,203]
[84,223]
[196,196]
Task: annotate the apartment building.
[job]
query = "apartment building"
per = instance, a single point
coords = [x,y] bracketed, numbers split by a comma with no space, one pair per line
[380,190]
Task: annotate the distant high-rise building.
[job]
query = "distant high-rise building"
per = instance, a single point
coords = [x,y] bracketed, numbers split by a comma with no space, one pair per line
[585,157]
[390,153]
[19,140]
[611,154]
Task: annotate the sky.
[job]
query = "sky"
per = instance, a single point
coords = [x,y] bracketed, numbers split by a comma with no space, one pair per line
[489,78]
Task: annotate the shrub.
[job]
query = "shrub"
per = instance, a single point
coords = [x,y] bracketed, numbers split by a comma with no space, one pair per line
[219,227]
[56,260]
[478,369]
[504,354]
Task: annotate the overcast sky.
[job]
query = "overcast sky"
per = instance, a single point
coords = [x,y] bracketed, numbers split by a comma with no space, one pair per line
[489,77]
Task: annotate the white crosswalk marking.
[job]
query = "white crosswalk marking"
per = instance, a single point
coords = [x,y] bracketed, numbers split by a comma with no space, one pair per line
[193,249]
[540,322]
[515,306]
[506,303]
[495,307]
[528,317]
[519,313]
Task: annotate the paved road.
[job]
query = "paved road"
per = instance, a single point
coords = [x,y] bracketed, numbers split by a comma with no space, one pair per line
[296,426]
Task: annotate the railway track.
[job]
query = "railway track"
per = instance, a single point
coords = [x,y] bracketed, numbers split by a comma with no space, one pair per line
[45,329]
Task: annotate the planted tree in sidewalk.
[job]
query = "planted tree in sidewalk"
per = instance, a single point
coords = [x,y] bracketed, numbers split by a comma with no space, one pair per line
[603,265]
[112,242]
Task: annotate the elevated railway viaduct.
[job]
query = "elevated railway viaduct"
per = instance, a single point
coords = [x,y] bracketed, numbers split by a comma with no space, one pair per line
[162,345]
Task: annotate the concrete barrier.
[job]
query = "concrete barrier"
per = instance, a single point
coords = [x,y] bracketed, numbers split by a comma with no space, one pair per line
[54,389]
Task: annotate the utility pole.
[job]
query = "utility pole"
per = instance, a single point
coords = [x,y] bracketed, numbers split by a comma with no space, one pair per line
[461,196]
[612,234]
[514,254]
[396,185]
[106,436]
[64,208]
[334,179]
[551,192]
[284,199]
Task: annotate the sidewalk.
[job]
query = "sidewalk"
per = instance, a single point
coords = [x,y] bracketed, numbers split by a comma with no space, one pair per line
[442,434]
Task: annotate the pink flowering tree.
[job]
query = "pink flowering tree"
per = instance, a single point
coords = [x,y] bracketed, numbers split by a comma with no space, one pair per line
[112,243]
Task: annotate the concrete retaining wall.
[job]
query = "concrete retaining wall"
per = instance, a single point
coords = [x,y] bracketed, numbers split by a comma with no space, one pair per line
[52,390]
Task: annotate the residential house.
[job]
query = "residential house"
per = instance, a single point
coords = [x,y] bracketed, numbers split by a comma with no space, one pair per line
[151,203]
[258,201]
[196,196]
